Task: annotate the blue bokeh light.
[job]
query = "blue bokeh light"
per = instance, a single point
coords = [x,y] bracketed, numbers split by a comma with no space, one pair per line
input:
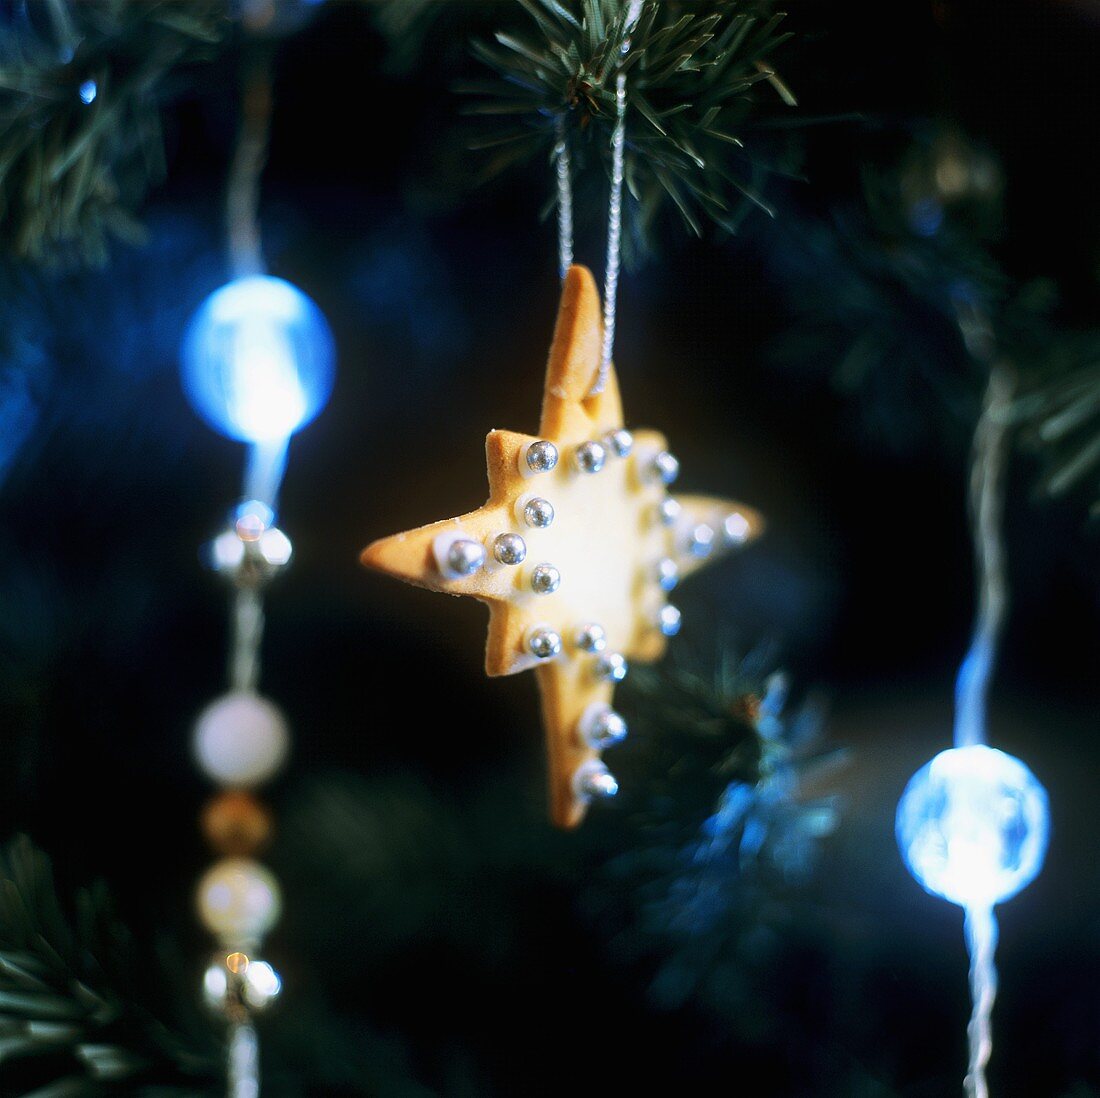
[258,359]
[972,826]
[88,91]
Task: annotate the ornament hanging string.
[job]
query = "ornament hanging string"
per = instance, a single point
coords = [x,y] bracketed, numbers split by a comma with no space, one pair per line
[614,205]
[614,231]
[565,198]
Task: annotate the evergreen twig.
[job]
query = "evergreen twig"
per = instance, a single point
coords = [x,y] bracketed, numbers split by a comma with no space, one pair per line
[693,74]
[80,131]
[69,1025]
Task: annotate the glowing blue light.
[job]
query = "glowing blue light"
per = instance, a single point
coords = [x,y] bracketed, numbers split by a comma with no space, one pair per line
[88,91]
[258,359]
[972,826]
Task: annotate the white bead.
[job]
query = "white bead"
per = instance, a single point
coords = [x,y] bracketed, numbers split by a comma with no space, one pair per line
[241,739]
[239,902]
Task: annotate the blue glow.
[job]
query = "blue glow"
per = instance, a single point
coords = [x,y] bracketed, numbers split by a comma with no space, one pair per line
[972,826]
[88,91]
[258,359]
[926,217]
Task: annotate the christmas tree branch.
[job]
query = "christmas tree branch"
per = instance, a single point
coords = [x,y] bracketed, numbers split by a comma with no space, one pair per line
[693,73]
[69,1023]
[80,133]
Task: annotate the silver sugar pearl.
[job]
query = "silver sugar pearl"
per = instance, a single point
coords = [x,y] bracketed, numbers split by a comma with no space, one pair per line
[701,540]
[545,579]
[542,456]
[611,667]
[668,620]
[591,637]
[593,781]
[735,528]
[664,468]
[601,727]
[668,511]
[619,442]
[668,573]
[589,457]
[465,557]
[543,642]
[509,548]
[538,512]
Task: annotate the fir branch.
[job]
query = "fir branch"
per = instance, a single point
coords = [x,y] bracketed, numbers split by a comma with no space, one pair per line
[1061,416]
[80,131]
[69,1023]
[693,75]
[717,847]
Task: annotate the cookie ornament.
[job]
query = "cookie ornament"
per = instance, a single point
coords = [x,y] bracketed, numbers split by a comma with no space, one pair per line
[580,541]
[574,552]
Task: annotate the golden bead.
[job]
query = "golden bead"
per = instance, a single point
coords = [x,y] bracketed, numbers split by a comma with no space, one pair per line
[236,824]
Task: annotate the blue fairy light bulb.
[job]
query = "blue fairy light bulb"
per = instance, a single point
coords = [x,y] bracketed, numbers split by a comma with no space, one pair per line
[258,359]
[972,826]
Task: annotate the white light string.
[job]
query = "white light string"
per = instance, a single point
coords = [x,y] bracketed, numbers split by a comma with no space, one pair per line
[986,509]
[973,823]
[243,194]
[986,513]
[614,204]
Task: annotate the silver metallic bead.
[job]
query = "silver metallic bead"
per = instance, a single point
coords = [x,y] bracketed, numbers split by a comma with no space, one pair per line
[275,547]
[664,468]
[543,642]
[538,513]
[668,620]
[464,557]
[668,573]
[589,457]
[235,986]
[611,667]
[541,457]
[701,540]
[593,781]
[545,579]
[601,727]
[735,528]
[509,548]
[668,511]
[619,442]
[590,637]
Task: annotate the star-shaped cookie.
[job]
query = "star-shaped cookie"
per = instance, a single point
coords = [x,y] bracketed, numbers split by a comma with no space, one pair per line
[574,552]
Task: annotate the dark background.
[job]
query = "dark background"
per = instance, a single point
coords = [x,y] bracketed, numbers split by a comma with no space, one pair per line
[432,917]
